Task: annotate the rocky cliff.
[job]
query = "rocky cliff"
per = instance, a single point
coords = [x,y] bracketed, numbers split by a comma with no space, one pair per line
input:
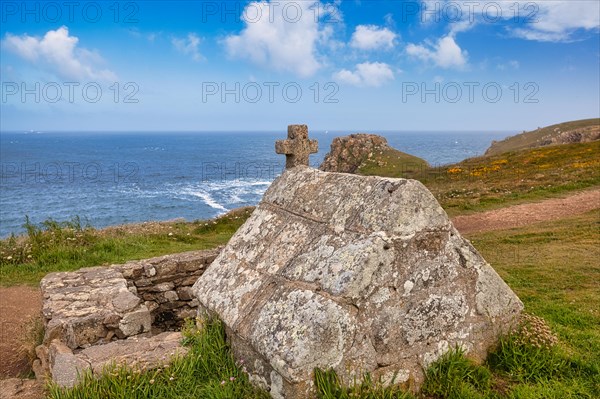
[361,153]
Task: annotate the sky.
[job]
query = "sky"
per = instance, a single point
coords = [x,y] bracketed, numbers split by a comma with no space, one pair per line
[335,65]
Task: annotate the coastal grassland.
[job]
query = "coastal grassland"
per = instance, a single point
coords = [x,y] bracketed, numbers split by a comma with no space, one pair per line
[534,138]
[552,266]
[65,246]
[387,163]
[491,182]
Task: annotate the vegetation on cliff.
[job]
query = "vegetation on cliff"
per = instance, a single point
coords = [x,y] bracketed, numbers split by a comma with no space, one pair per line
[552,266]
[368,154]
[580,131]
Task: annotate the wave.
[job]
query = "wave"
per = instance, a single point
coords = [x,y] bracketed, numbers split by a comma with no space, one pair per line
[208,200]
[218,195]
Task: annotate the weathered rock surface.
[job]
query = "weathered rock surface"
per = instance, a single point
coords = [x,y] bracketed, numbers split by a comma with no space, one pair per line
[89,313]
[82,307]
[349,152]
[583,135]
[358,274]
[67,366]
[93,305]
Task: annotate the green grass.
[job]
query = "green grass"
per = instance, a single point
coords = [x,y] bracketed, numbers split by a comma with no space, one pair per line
[65,246]
[329,386]
[454,376]
[207,371]
[532,139]
[553,268]
[392,162]
[483,183]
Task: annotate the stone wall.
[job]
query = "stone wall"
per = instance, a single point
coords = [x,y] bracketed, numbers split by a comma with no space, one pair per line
[165,285]
[92,311]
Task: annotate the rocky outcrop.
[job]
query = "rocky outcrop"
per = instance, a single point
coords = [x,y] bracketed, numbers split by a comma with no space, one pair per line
[117,310]
[584,135]
[349,152]
[581,131]
[358,274]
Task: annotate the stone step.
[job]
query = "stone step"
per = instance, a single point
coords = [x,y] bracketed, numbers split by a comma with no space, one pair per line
[66,366]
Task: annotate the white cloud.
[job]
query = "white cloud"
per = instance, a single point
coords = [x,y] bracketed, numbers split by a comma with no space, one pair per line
[371,37]
[512,64]
[281,35]
[548,20]
[389,19]
[60,52]
[367,74]
[188,46]
[558,21]
[445,53]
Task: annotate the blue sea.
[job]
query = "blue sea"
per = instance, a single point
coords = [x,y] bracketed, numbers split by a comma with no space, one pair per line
[110,178]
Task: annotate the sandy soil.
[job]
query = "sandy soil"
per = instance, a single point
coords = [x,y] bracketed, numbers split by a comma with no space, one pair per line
[18,306]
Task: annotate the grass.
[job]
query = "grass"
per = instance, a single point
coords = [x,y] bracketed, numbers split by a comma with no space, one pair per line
[533,138]
[553,267]
[455,376]
[483,183]
[65,246]
[391,161]
[207,371]
[329,386]
[555,353]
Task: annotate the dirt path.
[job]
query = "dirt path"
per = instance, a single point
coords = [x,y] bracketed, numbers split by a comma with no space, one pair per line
[18,306]
[526,214]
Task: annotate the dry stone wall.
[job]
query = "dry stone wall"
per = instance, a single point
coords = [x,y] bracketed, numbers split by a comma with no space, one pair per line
[94,312]
[164,284]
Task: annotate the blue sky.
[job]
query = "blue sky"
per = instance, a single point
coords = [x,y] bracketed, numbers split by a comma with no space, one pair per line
[344,65]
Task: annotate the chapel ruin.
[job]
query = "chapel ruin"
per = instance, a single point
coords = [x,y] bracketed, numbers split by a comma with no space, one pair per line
[332,271]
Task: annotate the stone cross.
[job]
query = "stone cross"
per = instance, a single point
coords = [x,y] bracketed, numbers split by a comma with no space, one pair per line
[297,147]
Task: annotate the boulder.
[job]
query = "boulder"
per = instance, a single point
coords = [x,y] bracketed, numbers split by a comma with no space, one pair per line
[357,274]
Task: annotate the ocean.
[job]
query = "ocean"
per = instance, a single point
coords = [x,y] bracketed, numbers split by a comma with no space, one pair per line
[111,178]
